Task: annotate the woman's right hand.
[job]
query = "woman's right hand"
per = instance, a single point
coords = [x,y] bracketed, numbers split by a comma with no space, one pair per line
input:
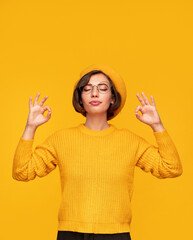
[36,117]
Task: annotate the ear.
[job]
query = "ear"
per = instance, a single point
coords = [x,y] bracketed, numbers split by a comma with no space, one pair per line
[112,99]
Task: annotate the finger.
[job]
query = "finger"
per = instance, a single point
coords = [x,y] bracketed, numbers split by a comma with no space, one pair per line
[43,100]
[47,117]
[140,99]
[153,102]
[145,98]
[137,114]
[36,99]
[30,103]
[46,108]
[138,108]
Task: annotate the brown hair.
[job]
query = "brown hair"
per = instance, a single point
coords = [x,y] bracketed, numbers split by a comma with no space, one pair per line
[77,100]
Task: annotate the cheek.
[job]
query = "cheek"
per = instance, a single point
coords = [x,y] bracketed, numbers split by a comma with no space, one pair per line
[107,98]
[85,99]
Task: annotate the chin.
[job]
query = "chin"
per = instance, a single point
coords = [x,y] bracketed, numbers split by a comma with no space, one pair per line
[98,111]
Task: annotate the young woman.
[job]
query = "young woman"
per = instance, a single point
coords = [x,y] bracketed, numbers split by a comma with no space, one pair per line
[96,159]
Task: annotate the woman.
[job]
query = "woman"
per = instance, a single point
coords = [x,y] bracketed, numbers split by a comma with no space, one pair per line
[96,159]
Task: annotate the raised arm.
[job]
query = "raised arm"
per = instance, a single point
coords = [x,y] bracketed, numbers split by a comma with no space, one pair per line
[162,161]
[27,164]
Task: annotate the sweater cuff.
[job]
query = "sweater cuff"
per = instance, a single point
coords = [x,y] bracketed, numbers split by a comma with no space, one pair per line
[159,135]
[25,143]
[164,141]
[23,140]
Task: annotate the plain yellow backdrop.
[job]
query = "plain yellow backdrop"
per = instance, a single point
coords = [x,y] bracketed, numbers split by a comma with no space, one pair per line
[44,45]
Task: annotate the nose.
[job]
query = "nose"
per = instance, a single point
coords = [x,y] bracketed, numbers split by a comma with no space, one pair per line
[94,91]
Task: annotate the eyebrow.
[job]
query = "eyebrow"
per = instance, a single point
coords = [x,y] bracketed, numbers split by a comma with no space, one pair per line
[101,83]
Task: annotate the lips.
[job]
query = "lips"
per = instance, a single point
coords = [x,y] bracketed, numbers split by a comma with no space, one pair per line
[95,103]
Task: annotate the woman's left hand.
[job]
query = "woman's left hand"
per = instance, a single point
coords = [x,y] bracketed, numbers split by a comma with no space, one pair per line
[149,112]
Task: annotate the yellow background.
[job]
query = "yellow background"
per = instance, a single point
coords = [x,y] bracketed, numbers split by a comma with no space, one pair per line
[44,45]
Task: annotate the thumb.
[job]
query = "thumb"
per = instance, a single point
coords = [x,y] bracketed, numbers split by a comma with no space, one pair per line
[138,116]
[48,116]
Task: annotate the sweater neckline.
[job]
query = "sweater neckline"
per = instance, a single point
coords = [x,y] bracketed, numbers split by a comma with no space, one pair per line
[92,132]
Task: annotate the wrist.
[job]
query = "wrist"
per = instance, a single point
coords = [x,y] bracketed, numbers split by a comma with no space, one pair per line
[30,127]
[157,127]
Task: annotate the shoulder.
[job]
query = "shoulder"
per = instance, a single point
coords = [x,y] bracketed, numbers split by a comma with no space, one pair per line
[63,131]
[128,133]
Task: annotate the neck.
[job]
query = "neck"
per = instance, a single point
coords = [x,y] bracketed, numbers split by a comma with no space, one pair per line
[96,123]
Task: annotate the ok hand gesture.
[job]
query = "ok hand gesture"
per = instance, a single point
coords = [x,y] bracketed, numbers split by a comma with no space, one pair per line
[149,112]
[36,111]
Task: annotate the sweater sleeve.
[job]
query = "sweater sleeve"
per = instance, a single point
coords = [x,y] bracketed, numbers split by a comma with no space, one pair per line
[27,164]
[162,161]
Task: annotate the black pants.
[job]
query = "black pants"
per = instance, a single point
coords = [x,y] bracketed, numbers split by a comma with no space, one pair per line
[69,235]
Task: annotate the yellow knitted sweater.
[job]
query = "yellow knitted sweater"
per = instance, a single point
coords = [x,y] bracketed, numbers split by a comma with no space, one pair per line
[96,172]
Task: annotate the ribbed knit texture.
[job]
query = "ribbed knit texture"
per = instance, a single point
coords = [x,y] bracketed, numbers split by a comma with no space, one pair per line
[96,172]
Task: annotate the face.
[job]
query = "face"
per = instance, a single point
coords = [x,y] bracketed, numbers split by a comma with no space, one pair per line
[104,98]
